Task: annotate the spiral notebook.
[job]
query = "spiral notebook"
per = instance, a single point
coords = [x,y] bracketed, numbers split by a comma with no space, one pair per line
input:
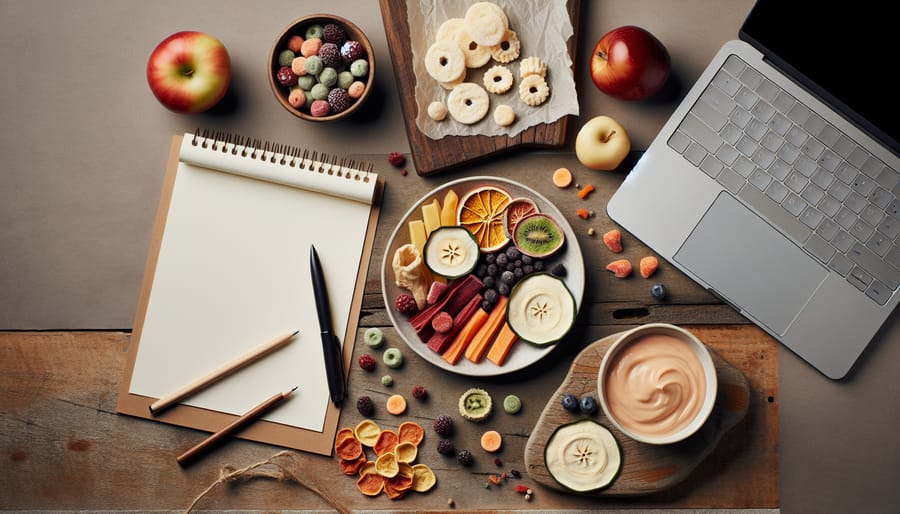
[229,270]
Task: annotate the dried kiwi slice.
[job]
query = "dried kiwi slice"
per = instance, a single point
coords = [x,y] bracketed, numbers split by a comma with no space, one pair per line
[583,456]
[538,235]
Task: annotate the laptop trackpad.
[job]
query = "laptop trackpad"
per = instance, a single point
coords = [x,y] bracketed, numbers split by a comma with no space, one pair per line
[745,260]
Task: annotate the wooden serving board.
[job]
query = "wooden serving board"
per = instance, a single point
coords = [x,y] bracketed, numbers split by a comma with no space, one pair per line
[646,468]
[433,155]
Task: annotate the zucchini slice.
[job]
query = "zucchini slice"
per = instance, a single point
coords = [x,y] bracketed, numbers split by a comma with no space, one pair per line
[541,309]
[583,456]
[451,252]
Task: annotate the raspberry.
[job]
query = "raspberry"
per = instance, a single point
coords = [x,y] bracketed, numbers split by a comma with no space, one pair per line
[406,304]
[396,159]
[351,51]
[339,100]
[365,406]
[330,54]
[443,425]
[465,457]
[445,447]
[419,393]
[333,33]
[286,77]
[366,362]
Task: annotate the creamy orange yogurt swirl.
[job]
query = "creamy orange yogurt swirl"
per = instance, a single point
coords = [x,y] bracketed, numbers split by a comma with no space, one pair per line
[655,385]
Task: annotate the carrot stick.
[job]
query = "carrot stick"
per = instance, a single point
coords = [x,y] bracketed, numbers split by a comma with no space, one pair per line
[484,336]
[586,190]
[502,345]
[464,336]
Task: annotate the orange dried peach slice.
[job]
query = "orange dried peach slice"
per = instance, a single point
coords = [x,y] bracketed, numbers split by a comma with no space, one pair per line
[397,486]
[481,213]
[352,466]
[348,448]
[386,442]
[370,484]
[423,478]
[410,431]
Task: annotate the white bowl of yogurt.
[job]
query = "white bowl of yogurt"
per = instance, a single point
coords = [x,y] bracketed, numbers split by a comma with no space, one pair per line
[657,383]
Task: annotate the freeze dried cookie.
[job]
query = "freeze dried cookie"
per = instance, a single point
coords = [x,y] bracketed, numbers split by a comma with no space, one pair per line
[437,111]
[532,66]
[486,22]
[476,55]
[452,84]
[508,48]
[533,90]
[504,115]
[447,31]
[445,61]
[468,103]
[498,79]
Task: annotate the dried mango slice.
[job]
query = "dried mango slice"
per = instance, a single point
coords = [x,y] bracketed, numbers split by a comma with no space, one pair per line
[423,478]
[387,466]
[410,431]
[368,467]
[367,431]
[397,486]
[406,452]
[370,484]
[386,442]
[352,466]
[348,448]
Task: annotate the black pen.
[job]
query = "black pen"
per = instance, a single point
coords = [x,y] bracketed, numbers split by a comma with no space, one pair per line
[331,346]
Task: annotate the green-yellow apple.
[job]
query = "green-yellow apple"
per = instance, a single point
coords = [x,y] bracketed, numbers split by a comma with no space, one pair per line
[602,144]
[189,71]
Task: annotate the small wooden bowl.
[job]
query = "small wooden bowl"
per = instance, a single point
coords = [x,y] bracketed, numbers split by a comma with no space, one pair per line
[298,27]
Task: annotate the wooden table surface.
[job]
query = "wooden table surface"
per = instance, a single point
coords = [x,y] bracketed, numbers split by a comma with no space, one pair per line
[65,448]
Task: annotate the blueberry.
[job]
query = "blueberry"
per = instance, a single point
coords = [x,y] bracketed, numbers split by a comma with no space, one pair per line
[538,265]
[658,291]
[492,270]
[570,402]
[527,259]
[487,306]
[503,289]
[513,253]
[559,270]
[502,259]
[491,296]
[519,273]
[489,258]
[528,269]
[489,281]
[588,405]
[508,277]
[481,270]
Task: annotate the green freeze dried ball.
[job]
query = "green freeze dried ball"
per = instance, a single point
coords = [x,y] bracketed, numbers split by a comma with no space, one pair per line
[319,92]
[344,79]
[387,381]
[306,82]
[285,57]
[314,65]
[359,68]
[314,31]
[512,404]
[329,77]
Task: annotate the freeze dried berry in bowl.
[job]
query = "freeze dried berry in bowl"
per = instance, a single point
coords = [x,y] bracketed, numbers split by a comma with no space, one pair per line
[321,68]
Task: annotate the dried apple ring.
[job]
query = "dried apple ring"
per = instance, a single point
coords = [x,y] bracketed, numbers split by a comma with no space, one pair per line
[386,442]
[406,452]
[533,90]
[423,478]
[486,22]
[447,31]
[410,432]
[498,79]
[386,465]
[367,431]
[468,103]
[476,55]
[445,61]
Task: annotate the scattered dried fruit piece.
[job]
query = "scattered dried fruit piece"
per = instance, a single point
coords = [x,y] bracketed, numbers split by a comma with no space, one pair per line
[348,448]
[445,447]
[365,406]
[387,440]
[583,213]
[621,268]
[396,404]
[423,478]
[396,159]
[465,457]
[406,451]
[443,425]
[491,441]
[370,484]
[419,392]
[352,467]
[613,240]
[585,191]
[366,362]
[410,432]
[562,178]
[648,266]
[521,489]
[367,431]
[386,465]
[495,479]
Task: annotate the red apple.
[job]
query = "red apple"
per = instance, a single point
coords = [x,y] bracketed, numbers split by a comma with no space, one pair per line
[189,71]
[630,63]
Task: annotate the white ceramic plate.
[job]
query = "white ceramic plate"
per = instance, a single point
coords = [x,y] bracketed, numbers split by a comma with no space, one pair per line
[522,354]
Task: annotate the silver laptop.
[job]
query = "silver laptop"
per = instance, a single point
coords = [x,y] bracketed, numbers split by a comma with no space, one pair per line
[776,182]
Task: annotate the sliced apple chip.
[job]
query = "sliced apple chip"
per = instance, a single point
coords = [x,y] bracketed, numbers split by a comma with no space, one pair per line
[386,442]
[370,484]
[423,478]
[367,431]
[411,432]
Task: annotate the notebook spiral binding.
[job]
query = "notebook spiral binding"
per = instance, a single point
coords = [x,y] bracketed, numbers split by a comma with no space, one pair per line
[287,155]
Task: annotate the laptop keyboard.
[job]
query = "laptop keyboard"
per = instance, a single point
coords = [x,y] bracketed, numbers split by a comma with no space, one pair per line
[824,191]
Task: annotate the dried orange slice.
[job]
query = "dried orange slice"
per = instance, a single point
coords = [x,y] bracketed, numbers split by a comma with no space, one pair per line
[348,448]
[406,452]
[481,213]
[423,478]
[370,484]
[411,432]
[367,431]
[386,465]
[386,442]
[352,466]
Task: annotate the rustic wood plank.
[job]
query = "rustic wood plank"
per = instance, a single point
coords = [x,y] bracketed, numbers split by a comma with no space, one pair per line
[432,156]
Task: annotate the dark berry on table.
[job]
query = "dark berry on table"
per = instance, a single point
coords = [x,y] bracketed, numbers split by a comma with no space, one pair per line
[658,291]
[559,270]
[406,304]
[588,405]
[519,263]
[508,277]
[493,270]
[510,266]
[419,393]
[513,253]
[443,425]
[465,457]
[569,402]
[396,159]
[445,447]
[286,77]
[365,406]
[367,362]
[330,54]
[333,33]
[528,269]
[339,100]
[527,259]
[490,258]
[503,289]
[351,51]
[519,273]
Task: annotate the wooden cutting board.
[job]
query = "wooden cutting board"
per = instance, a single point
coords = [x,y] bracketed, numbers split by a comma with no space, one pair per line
[646,468]
[434,155]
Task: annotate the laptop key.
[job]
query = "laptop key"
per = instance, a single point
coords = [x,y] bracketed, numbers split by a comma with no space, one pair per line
[829,206]
[873,264]
[731,180]
[811,217]
[695,154]
[894,208]
[702,134]
[893,257]
[679,142]
[711,166]
[709,114]
[859,278]
[880,198]
[827,229]
[878,292]
[879,244]
[890,227]
[776,214]
[794,204]
[843,241]
[726,82]
[819,248]
[840,264]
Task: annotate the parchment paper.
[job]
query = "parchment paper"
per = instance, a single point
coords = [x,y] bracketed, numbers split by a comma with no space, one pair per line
[543,27]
